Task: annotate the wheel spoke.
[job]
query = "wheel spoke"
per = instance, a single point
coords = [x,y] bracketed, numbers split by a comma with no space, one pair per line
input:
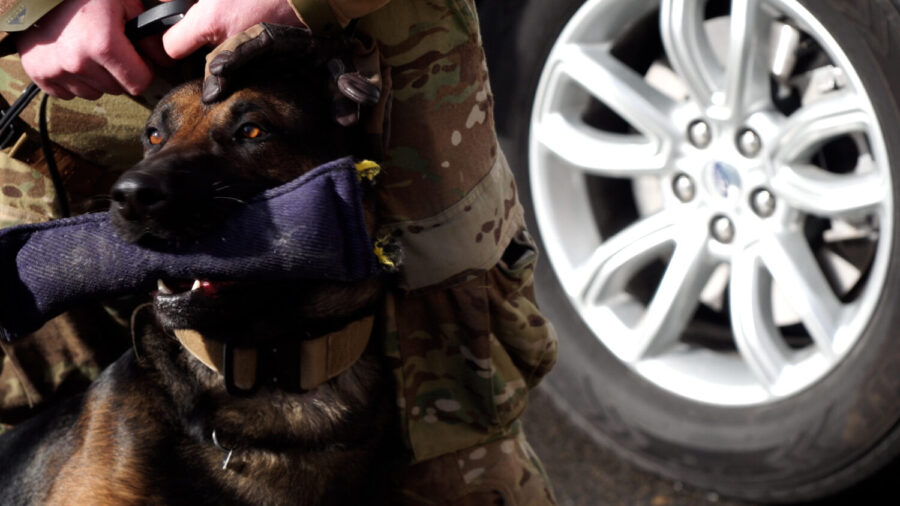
[747,73]
[616,262]
[816,191]
[599,153]
[758,340]
[790,260]
[688,48]
[840,113]
[621,256]
[678,294]
[621,88]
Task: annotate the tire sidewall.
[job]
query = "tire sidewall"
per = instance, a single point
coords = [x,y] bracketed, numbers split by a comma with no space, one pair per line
[819,440]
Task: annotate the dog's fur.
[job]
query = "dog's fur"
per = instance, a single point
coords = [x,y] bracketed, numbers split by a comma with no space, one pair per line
[142,433]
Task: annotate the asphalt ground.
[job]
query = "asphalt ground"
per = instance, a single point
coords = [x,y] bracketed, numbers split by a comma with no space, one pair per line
[584,473]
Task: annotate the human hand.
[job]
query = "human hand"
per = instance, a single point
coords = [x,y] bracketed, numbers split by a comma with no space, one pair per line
[351,88]
[79,49]
[211,22]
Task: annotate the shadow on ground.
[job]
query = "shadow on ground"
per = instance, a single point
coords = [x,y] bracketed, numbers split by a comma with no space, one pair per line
[586,474]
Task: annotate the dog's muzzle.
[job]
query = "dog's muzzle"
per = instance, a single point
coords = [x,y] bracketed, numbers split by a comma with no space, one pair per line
[310,228]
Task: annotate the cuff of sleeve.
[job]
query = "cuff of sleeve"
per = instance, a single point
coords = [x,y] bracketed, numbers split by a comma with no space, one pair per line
[318,15]
[24,13]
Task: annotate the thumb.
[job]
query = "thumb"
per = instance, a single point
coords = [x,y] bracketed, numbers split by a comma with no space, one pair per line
[189,34]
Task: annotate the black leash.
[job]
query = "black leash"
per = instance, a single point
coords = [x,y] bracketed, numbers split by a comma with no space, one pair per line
[7,130]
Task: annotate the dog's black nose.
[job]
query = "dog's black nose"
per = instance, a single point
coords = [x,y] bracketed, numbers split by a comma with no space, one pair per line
[138,195]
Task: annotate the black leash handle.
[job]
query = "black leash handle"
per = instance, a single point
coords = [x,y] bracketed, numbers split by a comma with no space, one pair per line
[156,20]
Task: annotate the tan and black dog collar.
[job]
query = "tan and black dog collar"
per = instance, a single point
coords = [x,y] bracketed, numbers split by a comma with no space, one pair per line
[290,364]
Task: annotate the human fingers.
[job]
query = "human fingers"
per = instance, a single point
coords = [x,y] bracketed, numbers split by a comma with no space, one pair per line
[193,32]
[230,57]
[126,66]
[151,48]
[97,77]
[121,59]
[84,38]
[70,86]
[68,79]
[82,88]
[212,22]
[54,91]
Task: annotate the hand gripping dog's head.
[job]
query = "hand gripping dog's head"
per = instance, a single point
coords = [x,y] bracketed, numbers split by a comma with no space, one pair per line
[273,108]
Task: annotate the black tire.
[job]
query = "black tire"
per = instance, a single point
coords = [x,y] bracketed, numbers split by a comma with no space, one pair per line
[806,446]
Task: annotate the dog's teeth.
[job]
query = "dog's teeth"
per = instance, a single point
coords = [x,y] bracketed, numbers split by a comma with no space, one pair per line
[196,285]
[161,286]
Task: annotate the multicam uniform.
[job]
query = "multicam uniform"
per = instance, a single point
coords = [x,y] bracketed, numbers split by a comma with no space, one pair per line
[462,333]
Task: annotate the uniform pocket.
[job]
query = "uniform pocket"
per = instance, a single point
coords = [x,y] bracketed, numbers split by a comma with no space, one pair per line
[527,337]
[469,350]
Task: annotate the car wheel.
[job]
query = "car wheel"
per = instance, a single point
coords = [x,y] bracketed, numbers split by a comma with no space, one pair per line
[713,184]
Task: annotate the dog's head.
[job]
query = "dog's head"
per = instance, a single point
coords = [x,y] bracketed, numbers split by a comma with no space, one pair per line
[202,160]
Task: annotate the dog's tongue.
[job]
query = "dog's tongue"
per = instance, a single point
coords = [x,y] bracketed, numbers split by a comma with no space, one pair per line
[310,228]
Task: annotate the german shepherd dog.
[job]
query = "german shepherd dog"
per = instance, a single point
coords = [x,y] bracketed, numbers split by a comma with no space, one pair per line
[159,426]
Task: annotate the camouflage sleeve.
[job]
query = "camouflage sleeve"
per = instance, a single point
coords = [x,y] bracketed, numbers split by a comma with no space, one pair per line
[326,15]
[17,15]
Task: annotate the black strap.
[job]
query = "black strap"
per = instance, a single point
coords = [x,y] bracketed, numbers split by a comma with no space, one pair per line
[7,130]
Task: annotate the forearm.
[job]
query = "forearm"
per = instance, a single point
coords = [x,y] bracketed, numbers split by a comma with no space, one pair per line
[322,14]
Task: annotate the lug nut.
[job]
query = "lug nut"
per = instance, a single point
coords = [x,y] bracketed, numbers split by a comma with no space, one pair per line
[683,186]
[722,229]
[763,202]
[699,134]
[749,143]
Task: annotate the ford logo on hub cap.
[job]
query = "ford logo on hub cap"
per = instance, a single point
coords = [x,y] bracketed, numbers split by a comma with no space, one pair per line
[726,181]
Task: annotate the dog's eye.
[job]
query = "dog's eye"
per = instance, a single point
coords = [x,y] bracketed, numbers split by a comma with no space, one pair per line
[250,131]
[154,137]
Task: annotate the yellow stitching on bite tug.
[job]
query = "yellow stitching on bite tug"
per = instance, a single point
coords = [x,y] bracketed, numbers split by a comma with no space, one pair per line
[367,169]
[382,255]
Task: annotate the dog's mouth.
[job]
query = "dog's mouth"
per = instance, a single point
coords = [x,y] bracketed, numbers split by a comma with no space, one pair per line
[179,288]
[198,303]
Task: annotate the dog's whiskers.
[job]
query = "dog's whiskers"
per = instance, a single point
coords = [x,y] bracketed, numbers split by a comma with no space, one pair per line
[221,185]
[235,199]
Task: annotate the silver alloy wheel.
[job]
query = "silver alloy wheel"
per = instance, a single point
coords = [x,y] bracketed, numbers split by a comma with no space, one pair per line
[737,196]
